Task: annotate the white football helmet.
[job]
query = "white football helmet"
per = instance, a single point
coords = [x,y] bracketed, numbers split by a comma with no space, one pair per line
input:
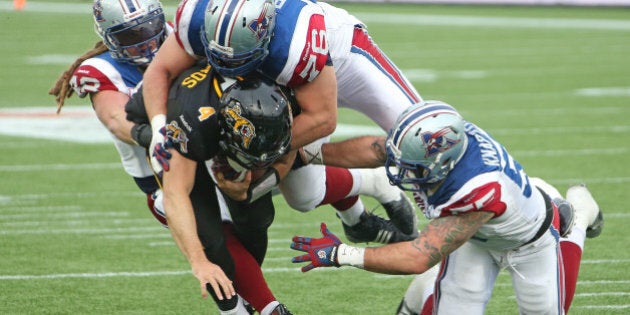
[236,34]
[132,30]
[426,142]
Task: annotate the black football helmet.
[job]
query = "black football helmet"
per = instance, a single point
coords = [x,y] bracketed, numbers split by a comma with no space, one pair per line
[255,119]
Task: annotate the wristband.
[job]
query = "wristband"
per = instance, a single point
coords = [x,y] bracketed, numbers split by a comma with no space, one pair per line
[141,134]
[350,256]
[263,185]
[157,122]
[312,153]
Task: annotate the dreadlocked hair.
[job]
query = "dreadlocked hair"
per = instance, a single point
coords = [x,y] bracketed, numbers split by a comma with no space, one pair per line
[62,90]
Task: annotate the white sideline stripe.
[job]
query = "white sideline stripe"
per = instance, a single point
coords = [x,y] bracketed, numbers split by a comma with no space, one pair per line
[603,294]
[187,272]
[81,231]
[81,214]
[386,18]
[59,167]
[79,124]
[605,307]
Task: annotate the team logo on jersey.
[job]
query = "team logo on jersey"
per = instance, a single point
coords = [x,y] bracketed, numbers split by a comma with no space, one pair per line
[176,135]
[98,11]
[440,141]
[241,126]
[260,26]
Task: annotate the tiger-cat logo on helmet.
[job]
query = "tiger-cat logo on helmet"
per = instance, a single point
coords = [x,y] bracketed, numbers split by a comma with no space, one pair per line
[241,126]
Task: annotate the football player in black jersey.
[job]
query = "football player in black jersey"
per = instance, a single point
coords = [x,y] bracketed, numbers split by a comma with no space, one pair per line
[226,134]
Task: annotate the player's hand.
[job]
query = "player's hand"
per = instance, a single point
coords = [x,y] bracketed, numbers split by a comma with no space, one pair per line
[321,252]
[212,277]
[235,188]
[158,152]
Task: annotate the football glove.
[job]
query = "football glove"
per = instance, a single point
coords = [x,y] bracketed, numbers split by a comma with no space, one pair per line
[158,152]
[321,252]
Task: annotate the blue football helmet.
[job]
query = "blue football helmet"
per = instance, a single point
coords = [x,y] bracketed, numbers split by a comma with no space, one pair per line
[426,142]
[133,31]
[236,34]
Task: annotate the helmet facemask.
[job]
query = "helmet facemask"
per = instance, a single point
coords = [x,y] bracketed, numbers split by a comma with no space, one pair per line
[136,40]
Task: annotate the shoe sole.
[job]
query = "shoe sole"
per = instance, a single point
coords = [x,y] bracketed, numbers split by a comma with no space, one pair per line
[595,229]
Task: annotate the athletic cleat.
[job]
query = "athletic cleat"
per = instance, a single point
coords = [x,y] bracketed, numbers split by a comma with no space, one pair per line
[402,214]
[596,228]
[372,228]
[567,216]
[588,214]
[281,309]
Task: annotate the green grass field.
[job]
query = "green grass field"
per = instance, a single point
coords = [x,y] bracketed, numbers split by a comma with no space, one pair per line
[551,83]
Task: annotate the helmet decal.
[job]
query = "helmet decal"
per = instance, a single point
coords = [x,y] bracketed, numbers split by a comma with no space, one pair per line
[98,11]
[440,141]
[240,125]
[260,26]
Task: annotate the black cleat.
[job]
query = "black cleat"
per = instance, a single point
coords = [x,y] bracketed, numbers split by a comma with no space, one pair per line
[372,228]
[567,216]
[596,228]
[402,214]
[281,309]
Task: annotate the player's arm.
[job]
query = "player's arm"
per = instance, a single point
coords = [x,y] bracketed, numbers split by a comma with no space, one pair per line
[109,106]
[436,241]
[359,152]
[181,221]
[318,103]
[169,62]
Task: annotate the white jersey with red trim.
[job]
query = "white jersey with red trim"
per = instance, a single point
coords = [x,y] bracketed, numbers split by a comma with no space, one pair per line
[306,33]
[487,178]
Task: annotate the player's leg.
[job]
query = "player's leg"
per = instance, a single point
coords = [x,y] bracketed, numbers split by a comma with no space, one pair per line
[588,224]
[399,208]
[465,281]
[419,294]
[573,233]
[333,185]
[537,274]
[369,82]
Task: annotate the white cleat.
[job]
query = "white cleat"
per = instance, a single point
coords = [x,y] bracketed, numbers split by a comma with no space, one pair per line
[588,214]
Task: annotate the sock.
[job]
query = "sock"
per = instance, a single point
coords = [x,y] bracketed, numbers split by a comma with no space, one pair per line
[571,257]
[248,278]
[352,215]
[577,236]
[339,183]
[269,308]
[373,182]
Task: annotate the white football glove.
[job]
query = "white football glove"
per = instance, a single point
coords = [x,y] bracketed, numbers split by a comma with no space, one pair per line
[157,141]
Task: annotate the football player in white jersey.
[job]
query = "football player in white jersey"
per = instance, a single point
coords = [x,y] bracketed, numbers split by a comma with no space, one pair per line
[328,58]
[485,215]
[131,33]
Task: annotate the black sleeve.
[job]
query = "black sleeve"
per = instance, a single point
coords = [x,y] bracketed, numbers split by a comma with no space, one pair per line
[136,112]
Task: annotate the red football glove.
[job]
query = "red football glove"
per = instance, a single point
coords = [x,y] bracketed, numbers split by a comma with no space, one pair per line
[321,252]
